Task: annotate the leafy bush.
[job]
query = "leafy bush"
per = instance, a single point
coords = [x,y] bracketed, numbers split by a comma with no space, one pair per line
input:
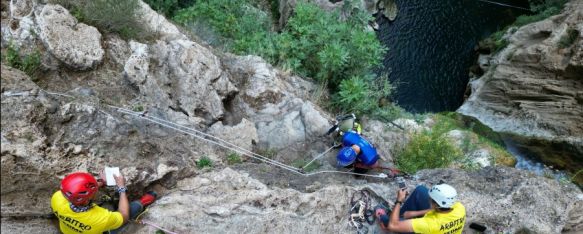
[427,150]
[233,158]
[316,43]
[203,162]
[29,64]
[337,51]
[109,16]
[241,26]
[568,39]
[430,149]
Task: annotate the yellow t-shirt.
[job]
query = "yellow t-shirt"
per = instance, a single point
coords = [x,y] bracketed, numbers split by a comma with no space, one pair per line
[442,223]
[94,221]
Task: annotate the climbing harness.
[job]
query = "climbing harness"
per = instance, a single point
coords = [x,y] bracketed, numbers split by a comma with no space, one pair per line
[345,123]
[359,211]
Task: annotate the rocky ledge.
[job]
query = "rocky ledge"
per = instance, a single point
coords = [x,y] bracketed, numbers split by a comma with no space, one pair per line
[533,89]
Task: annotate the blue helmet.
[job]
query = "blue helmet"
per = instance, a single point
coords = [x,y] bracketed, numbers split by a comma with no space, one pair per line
[346,156]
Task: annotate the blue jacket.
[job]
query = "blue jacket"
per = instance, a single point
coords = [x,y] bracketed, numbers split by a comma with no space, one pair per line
[368,154]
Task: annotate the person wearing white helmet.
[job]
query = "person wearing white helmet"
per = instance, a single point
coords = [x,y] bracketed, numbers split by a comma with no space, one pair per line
[426,211]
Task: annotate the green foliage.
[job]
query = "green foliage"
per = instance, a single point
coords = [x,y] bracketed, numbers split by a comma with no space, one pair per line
[364,96]
[138,108]
[243,28]
[109,16]
[541,9]
[169,7]
[568,39]
[29,64]
[430,149]
[316,43]
[233,158]
[203,162]
[427,149]
[353,96]
[499,43]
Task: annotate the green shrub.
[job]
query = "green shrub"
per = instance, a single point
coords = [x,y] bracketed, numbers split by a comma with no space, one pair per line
[316,43]
[364,96]
[233,158]
[109,16]
[427,150]
[430,149]
[242,27]
[138,108]
[29,64]
[203,162]
[568,39]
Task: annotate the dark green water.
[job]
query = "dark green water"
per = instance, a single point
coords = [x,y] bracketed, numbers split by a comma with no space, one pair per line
[431,47]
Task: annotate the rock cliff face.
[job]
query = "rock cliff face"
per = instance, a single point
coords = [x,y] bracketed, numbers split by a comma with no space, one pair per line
[65,122]
[533,89]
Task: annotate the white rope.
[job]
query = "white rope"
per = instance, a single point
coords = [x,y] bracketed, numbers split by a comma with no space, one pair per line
[255,156]
[502,4]
[155,119]
[322,154]
[238,149]
[217,141]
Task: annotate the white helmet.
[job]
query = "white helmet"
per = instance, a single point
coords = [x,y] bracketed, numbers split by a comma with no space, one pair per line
[443,194]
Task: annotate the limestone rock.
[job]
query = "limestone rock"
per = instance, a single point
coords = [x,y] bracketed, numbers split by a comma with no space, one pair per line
[158,24]
[136,67]
[242,135]
[75,44]
[227,201]
[533,90]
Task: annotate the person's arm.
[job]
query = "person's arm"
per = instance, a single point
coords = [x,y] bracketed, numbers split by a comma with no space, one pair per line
[123,206]
[395,225]
[416,213]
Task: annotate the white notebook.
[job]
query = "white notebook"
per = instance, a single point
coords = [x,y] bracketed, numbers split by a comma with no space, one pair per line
[109,172]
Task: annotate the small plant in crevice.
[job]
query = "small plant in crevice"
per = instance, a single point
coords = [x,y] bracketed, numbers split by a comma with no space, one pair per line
[233,158]
[569,38]
[203,162]
[268,153]
[29,63]
[138,108]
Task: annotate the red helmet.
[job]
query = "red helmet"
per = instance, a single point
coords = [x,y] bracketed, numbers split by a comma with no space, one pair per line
[79,188]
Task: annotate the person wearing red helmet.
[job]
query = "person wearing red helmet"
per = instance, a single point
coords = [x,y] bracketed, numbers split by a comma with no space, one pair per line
[73,205]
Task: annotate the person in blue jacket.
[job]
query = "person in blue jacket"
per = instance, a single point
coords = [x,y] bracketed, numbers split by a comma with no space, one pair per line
[357,152]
